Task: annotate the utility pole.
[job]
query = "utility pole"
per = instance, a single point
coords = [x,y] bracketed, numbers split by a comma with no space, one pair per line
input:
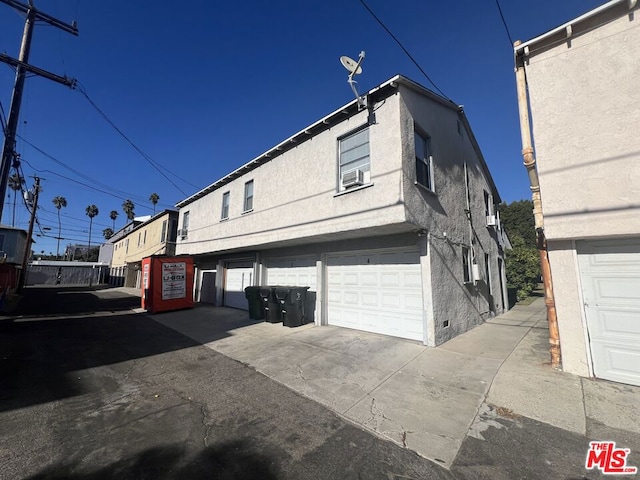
[22,67]
[27,251]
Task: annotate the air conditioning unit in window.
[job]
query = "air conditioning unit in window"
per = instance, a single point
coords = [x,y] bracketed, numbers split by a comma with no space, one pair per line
[353,178]
[183,232]
[491,221]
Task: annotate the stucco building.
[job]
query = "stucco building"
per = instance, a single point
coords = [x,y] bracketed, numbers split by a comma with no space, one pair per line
[582,79]
[387,213]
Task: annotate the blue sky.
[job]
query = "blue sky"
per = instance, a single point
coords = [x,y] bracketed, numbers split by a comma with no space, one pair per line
[203,87]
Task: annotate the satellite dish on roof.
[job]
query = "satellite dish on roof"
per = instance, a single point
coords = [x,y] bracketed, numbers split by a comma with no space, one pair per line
[351,65]
[354,68]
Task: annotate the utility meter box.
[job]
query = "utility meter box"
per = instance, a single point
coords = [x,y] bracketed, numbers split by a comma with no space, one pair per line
[167,283]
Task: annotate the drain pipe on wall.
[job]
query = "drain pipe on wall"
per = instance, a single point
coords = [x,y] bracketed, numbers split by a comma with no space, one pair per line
[530,164]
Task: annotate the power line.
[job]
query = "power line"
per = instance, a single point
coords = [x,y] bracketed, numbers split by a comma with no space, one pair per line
[149,160]
[91,187]
[504,22]
[403,48]
[109,188]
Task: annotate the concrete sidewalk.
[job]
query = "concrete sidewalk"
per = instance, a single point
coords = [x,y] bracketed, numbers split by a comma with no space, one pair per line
[425,399]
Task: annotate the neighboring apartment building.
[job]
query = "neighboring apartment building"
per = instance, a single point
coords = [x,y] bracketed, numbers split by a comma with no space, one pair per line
[386,213]
[582,79]
[156,236]
[13,242]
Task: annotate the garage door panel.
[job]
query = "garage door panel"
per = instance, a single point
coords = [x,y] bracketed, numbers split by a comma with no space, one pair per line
[617,323]
[376,292]
[238,276]
[610,277]
[620,364]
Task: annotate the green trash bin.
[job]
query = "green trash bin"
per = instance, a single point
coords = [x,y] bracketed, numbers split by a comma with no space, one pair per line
[292,301]
[256,310]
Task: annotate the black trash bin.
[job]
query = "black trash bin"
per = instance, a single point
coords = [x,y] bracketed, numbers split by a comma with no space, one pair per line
[256,310]
[270,305]
[292,300]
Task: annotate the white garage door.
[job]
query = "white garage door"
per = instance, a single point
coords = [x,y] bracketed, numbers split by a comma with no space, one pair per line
[376,292]
[238,276]
[300,272]
[610,275]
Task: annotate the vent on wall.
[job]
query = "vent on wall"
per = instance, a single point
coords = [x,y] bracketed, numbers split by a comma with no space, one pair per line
[491,221]
[353,178]
[183,232]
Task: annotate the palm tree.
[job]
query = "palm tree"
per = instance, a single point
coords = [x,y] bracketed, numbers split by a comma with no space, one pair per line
[128,207]
[107,233]
[113,215]
[15,183]
[91,212]
[59,202]
[154,200]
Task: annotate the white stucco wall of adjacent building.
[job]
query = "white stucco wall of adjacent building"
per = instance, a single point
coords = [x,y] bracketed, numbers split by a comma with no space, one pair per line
[585,108]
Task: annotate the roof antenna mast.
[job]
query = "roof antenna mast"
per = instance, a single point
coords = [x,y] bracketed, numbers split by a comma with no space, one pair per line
[354,68]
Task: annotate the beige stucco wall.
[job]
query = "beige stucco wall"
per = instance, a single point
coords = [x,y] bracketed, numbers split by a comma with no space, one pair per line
[585,106]
[295,193]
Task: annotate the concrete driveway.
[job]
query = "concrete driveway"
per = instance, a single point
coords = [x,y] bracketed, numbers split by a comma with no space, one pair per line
[422,398]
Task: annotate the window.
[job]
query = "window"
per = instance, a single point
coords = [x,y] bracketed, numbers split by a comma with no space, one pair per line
[225,206]
[185,223]
[144,238]
[424,161]
[248,196]
[139,236]
[354,155]
[1,242]
[466,265]
[126,246]
[488,204]
[163,235]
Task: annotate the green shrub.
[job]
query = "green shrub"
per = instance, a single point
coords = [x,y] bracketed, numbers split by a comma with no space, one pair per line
[523,267]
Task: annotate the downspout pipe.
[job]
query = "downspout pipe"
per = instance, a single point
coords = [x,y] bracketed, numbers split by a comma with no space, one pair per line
[534,183]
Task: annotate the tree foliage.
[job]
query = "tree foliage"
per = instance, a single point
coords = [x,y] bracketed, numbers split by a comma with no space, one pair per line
[518,220]
[523,261]
[154,200]
[128,208]
[107,233]
[113,215]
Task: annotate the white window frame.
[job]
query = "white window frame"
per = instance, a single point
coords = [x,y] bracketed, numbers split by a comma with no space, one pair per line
[427,161]
[247,205]
[365,168]
[163,234]
[224,214]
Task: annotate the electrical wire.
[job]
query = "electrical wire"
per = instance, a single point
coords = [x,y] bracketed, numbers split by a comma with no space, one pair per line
[106,192]
[149,160]
[504,22]
[403,49]
[109,188]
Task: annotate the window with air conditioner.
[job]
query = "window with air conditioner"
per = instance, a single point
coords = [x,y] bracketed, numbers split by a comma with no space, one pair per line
[424,161]
[354,164]
[489,209]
